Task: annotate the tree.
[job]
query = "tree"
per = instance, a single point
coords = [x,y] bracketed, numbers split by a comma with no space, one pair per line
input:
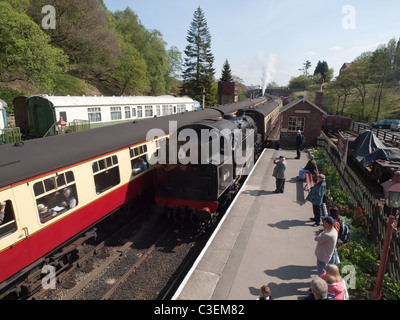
[25,51]
[198,74]
[131,75]
[226,72]
[323,69]
[85,32]
[149,44]
[174,67]
[360,75]
[342,87]
[306,66]
[384,69]
[299,83]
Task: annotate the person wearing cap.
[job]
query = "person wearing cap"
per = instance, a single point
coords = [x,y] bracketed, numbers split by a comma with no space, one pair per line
[326,242]
[316,197]
[279,174]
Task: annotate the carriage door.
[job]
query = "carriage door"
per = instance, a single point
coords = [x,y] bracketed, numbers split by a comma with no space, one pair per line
[12,249]
[42,119]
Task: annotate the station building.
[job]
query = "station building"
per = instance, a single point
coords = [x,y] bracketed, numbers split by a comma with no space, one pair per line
[302,115]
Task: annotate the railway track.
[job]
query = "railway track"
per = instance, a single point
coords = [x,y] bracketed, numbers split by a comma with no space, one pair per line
[142,260]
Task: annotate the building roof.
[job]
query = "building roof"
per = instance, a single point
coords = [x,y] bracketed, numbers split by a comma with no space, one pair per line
[303,100]
[74,101]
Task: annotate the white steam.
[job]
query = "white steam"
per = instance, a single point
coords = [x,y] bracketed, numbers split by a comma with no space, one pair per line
[268,68]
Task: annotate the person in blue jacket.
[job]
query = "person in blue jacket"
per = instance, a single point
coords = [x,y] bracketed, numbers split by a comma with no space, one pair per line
[316,197]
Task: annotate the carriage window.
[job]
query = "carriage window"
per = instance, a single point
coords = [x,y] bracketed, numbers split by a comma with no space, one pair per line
[63,114]
[127,112]
[139,159]
[94,114]
[148,111]
[116,113]
[55,196]
[7,218]
[106,174]
[140,112]
[296,123]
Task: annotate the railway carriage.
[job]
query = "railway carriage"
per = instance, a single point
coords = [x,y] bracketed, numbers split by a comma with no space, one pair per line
[100,170]
[41,113]
[266,116]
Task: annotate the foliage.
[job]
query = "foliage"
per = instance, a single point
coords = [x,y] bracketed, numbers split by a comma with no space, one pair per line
[323,69]
[335,192]
[364,88]
[198,73]
[391,288]
[299,83]
[226,72]
[357,215]
[25,51]
[84,32]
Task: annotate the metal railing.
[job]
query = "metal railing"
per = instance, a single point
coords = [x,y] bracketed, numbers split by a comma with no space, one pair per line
[74,126]
[10,135]
[383,135]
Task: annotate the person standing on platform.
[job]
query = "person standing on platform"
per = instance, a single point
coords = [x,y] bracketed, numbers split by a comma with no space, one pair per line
[299,143]
[279,174]
[316,197]
[326,242]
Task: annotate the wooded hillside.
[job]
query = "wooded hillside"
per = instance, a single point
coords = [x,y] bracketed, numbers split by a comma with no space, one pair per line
[79,47]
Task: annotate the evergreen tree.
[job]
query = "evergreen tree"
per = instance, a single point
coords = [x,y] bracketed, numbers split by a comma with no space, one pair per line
[226,72]
[198,74]
[322,69]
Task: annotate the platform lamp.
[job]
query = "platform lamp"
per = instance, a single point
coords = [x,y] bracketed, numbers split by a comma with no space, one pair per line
[391,189]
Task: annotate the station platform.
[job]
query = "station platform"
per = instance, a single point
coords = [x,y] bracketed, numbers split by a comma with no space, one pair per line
[263,239]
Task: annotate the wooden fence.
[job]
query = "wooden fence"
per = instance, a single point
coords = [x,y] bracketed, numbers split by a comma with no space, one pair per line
[372,204]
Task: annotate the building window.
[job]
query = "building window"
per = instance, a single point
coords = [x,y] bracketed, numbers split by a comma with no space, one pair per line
[296,123]
[133,112]
[94,114]
[158,111]
[106,174]
[55,195]
[116,113]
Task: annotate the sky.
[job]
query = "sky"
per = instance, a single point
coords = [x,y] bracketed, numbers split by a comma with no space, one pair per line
[270,40]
